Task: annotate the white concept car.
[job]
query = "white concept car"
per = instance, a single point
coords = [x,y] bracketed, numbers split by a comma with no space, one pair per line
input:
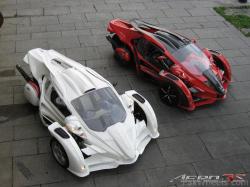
[93,127]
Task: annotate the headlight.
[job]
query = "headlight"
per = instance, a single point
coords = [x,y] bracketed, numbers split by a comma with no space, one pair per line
[76,129]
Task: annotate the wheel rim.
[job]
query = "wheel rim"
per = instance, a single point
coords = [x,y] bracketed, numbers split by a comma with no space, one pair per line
[169,95]
[58,153]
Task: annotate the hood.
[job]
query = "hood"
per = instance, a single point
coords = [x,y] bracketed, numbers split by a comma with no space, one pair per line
[193,60]
[119,140]
[123,139]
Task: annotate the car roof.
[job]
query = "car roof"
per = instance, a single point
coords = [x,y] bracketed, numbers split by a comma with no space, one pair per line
[171,41]
[70,78]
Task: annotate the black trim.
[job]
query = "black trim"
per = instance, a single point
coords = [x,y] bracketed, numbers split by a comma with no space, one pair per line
[62,133]
[214,81]
[24,74]
[136,23]
[170,38]
[214,51]
[139,98]
[112,40]
[172,77]
[89,90]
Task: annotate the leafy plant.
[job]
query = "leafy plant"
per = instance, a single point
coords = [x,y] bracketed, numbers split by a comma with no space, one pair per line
[240,21]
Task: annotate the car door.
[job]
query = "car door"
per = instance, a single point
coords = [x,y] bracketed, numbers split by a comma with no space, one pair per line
[52,107]
[147,54]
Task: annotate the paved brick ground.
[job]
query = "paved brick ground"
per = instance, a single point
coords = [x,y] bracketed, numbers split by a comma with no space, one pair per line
[211,140]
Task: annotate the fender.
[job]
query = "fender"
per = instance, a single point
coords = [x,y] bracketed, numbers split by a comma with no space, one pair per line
[207,52]
[225,63]
[31,88]
[35,60]
[152,124]
[110,29]
[187,102]
[77,163]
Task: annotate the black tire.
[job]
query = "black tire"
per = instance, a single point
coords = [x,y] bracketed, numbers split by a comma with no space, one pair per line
[59,153]
[117,40]
[139,113]
[221,66]
[169,94]
[121,61]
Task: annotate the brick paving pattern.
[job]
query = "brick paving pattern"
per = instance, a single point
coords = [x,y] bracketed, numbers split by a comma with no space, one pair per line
[212,140]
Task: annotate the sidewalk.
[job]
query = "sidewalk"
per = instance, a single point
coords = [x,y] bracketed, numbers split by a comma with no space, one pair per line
[212,140]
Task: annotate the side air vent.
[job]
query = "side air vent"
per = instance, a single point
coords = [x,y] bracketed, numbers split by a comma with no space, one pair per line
[62,133]
[139,98]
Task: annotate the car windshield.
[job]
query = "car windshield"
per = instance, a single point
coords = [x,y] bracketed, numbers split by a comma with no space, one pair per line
[100,109]
[192,58]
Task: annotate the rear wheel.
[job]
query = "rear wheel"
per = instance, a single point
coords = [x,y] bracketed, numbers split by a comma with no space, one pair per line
[122,52]
[123,55]
[169,94]
[59,153]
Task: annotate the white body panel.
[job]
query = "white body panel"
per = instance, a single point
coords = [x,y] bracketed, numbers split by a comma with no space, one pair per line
[120,143]
[31,94]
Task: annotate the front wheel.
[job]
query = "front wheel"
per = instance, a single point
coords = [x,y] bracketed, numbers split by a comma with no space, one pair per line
[59,153]
[169,94]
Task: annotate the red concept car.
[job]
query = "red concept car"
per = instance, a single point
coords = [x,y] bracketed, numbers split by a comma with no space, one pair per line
[188,75]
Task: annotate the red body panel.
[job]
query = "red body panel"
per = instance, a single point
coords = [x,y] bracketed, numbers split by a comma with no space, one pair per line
[184,78]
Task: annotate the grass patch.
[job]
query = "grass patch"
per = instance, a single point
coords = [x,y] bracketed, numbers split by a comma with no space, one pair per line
[240,21]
